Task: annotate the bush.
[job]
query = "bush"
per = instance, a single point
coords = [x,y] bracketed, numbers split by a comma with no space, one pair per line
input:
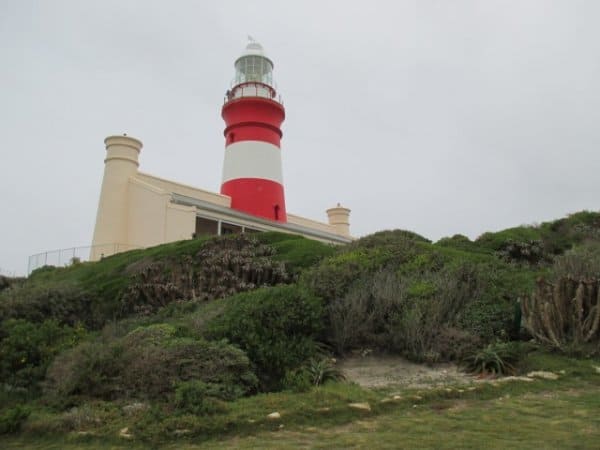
[153,369]
[581,262]
[12,419]
[335,276]
[409,314]
[565,315]
[10,282]
[530,252]
[276,327]
[322,370]
[314,372]
[199,398]
[223,266]
[66,302]
[296,380]
[497,241]
[27,349]
[92,369]
[297,252]
[458,242]
[147,363]
[498,359]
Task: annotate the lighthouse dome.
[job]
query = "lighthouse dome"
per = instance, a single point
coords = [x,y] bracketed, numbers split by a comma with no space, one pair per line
[253,65]
[254,48]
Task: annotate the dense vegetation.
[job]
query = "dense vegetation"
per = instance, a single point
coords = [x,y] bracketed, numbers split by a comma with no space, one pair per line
[182,331]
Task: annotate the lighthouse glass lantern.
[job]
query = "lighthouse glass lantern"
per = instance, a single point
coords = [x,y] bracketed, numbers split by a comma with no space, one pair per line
[252,169]
[253,74]
[254,66]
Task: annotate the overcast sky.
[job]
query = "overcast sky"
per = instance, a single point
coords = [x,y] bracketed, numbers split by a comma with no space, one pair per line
[441,117]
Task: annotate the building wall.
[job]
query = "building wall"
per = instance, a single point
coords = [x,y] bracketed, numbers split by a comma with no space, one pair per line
[309,223]
[184,189]
[181,222]
[153,219]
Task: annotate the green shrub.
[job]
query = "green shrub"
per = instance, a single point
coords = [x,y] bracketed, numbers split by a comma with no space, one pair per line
[92,369]
[335,276]
[581,262]
[66,302]
[296,380]
[222,266]
[276,327]
[12,419]
[497,241]
[494,313]
[152,370]
[147,363]
[199,398]
[296,252]
[10,282]
[409,314]
[314,372]
[458,242]
[26,349]
[532,252]
[498,359]
[322,370]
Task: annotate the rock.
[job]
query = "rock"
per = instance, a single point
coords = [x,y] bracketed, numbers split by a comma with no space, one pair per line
[543,374]
[274,416]
[324,409]
[134,408]
[512,378]
[597,369]
[181,432]
[416,397]
[397,397]
[124,433]
[361,406]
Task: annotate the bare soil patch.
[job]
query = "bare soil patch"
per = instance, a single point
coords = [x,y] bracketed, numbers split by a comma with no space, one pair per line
[384,371]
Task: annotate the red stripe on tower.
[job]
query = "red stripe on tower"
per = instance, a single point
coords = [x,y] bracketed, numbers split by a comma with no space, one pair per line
[252,174]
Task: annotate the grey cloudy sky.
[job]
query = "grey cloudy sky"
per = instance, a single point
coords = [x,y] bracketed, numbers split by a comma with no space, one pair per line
[436,116]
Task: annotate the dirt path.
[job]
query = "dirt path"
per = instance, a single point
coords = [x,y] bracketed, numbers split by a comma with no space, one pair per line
[384,371]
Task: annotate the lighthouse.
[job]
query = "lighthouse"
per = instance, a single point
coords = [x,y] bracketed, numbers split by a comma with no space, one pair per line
[137,209]
[253,114]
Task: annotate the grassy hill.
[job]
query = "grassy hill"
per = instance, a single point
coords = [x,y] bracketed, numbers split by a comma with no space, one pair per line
[206,335]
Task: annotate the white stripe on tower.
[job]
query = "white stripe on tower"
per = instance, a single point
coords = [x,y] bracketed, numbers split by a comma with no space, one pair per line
[252,159]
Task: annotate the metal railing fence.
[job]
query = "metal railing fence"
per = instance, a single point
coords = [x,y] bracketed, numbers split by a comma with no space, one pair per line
[66,256]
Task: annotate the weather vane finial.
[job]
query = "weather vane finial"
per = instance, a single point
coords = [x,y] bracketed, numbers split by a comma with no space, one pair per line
[251,39]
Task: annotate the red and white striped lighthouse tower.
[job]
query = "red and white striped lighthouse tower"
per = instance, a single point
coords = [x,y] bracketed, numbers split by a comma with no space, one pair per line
[253,115]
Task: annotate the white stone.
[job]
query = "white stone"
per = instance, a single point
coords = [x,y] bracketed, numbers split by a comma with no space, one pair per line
[543,374]
[361,406]
[124,433]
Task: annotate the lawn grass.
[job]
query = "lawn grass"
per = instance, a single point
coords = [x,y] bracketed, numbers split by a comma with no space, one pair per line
[564,419]
[561,413]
